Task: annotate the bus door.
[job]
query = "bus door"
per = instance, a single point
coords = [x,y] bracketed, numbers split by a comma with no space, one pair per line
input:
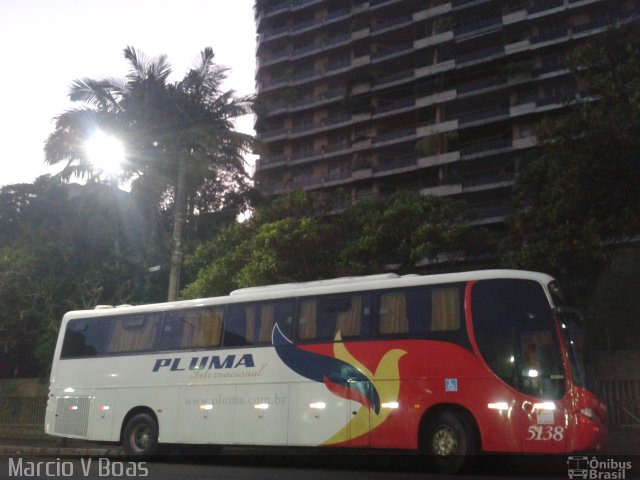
[542,406]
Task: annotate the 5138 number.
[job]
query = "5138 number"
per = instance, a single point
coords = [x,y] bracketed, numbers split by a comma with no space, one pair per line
[545,433]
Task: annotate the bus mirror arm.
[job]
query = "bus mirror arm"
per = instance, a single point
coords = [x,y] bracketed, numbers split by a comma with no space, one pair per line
[562,311]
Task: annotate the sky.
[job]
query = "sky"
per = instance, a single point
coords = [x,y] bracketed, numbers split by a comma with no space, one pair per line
[46,44]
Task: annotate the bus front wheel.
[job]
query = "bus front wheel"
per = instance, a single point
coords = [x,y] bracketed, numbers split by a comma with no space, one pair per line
[140,437]
[449,442]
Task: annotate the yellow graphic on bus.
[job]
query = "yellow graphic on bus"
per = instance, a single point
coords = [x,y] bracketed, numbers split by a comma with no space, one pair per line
[386,379]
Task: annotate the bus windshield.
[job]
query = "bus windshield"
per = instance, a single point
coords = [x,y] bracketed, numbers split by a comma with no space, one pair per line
[516,334]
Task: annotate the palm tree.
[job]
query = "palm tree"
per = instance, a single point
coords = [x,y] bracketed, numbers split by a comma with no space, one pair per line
[179,137]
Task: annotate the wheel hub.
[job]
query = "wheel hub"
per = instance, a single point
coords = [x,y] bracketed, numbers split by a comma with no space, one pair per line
[445,442]
[141,438]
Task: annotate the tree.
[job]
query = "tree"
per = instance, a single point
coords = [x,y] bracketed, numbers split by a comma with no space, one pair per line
[65,247]
[406,230]
[298,238]
[292,239]
[578,197]
[179,138]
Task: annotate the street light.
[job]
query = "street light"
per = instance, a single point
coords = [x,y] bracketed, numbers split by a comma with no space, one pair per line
[105,152]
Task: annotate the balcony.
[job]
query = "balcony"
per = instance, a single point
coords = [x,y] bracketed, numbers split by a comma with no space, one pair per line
[334,93]
[483,84]
[479,116]
[337,119]
[305,155]
[275,32]
[336,147]
[396,164]
[298,27]
[550,35]
[544,5]
[277,105]
[307,101]
[334,15]
[456,4]
[303,75]
[277,8]
[394,135]
[274,83]
[392,22]
[337,66]
[305,181]
[394,78]
[473,29]
[443,190]
[556,100]
[407,102]
[274,160]
[337,176]
[377,3]
[394,50]
[298,52]
[557,65]
[305,25]
[480,55]
[271,134]
[593,25]
[488,181]
[296,4]
[274,58]
[484,147]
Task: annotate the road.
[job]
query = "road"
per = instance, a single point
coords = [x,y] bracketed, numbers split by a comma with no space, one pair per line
[276,467]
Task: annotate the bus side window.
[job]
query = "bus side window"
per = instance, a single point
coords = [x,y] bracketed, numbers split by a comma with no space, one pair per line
[85,337]
[327,319]
[240,325]
[133,333]
[393,314]
[187,329]
[445,309]
[202,328]
[307,319]
[270,314]
[172,328]
[355,321]
[321,319]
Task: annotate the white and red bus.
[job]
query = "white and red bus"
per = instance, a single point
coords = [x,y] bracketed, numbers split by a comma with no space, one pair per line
[448,364]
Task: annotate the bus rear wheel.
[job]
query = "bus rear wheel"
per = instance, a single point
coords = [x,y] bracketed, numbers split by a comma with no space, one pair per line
[140,436]
[449,442]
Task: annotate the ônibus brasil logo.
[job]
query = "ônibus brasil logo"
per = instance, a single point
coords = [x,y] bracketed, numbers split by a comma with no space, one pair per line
[597,469]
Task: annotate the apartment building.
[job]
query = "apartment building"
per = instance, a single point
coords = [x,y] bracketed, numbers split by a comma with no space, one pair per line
[361,98]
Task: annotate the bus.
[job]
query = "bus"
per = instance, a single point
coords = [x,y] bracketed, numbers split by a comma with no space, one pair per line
[450,365]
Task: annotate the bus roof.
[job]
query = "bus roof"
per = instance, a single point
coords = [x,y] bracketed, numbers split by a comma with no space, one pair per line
[321,287]
[334,282]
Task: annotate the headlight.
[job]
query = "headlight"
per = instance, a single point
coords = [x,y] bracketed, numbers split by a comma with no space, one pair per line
[590,413]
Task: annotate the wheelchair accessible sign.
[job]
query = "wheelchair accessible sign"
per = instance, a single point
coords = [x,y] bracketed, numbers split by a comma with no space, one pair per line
[450,384]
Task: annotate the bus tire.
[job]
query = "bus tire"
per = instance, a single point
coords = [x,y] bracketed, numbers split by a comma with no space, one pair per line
[140,436]
[449,442]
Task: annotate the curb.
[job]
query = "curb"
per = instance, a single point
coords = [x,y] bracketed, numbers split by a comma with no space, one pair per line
[92,451]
